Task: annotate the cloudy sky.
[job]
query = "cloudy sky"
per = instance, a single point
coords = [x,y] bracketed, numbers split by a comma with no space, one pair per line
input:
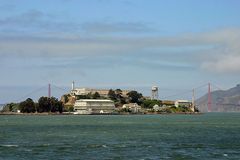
[133,44]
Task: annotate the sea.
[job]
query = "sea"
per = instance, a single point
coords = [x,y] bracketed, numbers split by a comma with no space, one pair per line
[142,137]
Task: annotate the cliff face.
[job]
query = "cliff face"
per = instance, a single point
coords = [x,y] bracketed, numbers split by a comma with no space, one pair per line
[68,100]
[222,101]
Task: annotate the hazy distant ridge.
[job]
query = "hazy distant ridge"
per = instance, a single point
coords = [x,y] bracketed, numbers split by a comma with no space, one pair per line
[222,101]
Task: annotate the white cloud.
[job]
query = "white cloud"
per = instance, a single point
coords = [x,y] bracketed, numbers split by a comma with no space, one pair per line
[223,64]
[220,50]
[225,57]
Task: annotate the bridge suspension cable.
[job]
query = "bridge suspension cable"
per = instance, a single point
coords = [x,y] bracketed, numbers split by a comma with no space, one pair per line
[63,89]
[174,95]
[30,93]
[186,91]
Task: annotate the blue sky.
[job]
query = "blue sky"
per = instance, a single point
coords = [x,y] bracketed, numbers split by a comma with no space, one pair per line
[133,44]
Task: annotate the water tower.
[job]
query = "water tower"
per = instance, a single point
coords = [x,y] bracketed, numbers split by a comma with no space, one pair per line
[154,92]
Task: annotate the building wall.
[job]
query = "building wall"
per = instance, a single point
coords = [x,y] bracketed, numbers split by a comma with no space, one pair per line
[94,106]
[134,107]
[102,92]
[185,103]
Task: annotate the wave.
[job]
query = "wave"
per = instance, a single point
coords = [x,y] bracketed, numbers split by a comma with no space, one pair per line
[8,145]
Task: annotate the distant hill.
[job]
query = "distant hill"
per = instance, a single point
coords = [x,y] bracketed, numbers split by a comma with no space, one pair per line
[222,101]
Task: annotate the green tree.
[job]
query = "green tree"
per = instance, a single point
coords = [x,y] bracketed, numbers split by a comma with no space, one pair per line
[87,96]
[56,105]
[71,109]
[112,95]
[65,97]
[27,106]
[52,104]
[81,97]
[135,97]
[149,103]
[118,92]
[44,104]
[96,95]
[10,107]
[196,109]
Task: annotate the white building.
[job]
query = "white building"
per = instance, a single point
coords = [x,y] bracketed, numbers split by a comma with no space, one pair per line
[185,103]
[156,108]
[134,107]
[94,106]
[84,91]
[102,92]
[80,91]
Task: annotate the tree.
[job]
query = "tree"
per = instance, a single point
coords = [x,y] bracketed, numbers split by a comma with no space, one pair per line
[196,109]
[87,96]
[81,97]
[10,107]
[118,94]
[148,103]
[112,95]
[118,91]
[71,109]
[44,104]
[56,105]
[65,98]
[134,97]
[52,104]
[96,95]
[27,106]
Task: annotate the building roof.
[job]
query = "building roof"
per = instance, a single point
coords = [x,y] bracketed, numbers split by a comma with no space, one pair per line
[94,100]
[183,101]
[131,105]
[97,89]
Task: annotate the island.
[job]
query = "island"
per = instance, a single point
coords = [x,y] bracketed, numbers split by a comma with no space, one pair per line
[82,101]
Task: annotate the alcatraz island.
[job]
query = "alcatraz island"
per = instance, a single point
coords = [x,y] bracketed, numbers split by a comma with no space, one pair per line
[87,101]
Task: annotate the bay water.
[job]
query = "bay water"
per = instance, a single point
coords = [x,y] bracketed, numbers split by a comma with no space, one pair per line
[203,136]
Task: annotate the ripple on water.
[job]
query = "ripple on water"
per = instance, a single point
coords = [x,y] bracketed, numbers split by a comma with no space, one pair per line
[104,146]
[225,155]
[8,145]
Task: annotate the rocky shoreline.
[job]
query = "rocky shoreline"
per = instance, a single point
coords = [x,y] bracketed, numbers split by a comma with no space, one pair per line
[71,113]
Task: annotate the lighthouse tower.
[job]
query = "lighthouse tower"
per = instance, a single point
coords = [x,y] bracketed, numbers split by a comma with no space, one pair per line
[73,85]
